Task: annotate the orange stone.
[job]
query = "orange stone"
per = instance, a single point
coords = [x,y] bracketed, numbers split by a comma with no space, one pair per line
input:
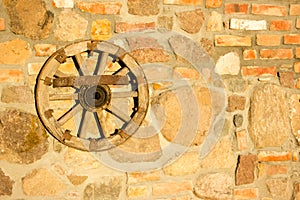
[295,9]
[276,53]
[186,73]
[242,140]
[270,156]
[268,40]
[213,3]
[298,52]
[167,188]
[232,40]
[246,193]
[266,9]
[11,75]
[281,25]
[250,54]
[123,27]
[101,30]
[292,39]
[140,177]
[2,24]
[184,2]
[44,49]
[103,8]
[258,71]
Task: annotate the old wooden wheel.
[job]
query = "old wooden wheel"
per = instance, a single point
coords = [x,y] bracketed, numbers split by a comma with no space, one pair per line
[91,95]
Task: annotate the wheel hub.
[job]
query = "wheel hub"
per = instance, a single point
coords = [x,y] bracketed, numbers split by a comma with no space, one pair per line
[94,97]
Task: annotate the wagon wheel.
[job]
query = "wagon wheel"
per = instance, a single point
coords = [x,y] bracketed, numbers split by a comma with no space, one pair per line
[98,102]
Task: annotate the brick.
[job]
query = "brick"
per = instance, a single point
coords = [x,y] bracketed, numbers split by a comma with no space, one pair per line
[248,25]
[250,54]
[291,39]
[11,75]
[297,67]
[186,73]
[245,169]
[234,8]
[246,193]
[137,191]
[298,52]
[123,27]
[276,170]
[141,177]
[236,102]
[298,23]
[232,40]
[268,40]
[281,25]
[267,9]
[295,9]
[2,24]
[101,29]
[287,79]
[215,22]
[184,2]
[103,8]
[276,53]
[272,156]
[44,49]
[213,3]
[258,71]
[167,188]
[63,3]
[242,140]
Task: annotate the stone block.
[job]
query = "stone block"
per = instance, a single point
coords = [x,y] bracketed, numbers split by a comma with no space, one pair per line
[291,39]
[123,27]
[278,188]
[298,52]
[213,3]
[188,25]
[228,64]
[276,54]
[215,22]
[287,79]
[295,9]
[184,2]
[250,54]
[14,52]
[102,8]
[2,24]
[248,25]
[63,3]
[232,40]
[235,103]
[142,177]
[295,115]
[101,30]
[143,7]
[186,73]
[11,75]
[44,49]
[137,191]
[272,170]
[234,8]
[274,156]
[245,169]
[269,10]
[171,188]
[165,22]
[281,25]
[258,71]
[17,94]
[268,40]
[242,140]
[246,193]
[298,23]
[6,185]
[77,180]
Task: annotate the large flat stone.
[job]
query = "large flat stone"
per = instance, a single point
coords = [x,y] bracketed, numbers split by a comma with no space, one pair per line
[295,115]
[214,186]
[188,25]
[269,117]
[22,137]
[17,94]
[29,18]
[14,52]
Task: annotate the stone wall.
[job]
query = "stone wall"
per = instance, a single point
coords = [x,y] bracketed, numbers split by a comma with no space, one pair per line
[254,151]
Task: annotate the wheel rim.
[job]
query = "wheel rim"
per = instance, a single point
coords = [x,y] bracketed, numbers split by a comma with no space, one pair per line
[104,78]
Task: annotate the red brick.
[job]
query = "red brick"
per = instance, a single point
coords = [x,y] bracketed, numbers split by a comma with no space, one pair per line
[123,27]
[213,3]
[297,67]
[258,71]
[2,24]
[280,25]
[235,8]
[103,8]
[298,52]
[184,2]
[11,75]
[268,40]
[276,53]
[267,9]
[250,54]
[270,156]
[168,188]
[292,39]
[232,40]
[246,193]
[295,9]
[276,169]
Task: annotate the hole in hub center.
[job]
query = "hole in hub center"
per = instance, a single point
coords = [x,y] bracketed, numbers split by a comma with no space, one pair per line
[97,95]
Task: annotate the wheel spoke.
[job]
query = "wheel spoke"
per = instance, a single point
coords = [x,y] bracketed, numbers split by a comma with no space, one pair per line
[80,66]
[101,65]
[90,80]
[83,114]
[61,97]
[69,114]
[124,94]
[99,125]
[118,113]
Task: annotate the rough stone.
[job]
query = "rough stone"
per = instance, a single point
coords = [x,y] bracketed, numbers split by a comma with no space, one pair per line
[22,138]
[268,116]
[137,191]
[214,186]
[187,164]
[215,22]
[123,27]
[29,18]
[295,115]
[287,79]
[70,26]
[171,188]
[44,49]
[228,64]
[6,184]
[235,85]
[101,30]
[143,7]
[102,8]
[220,157]
[2,24]
[165,22]
[14,52]
[77,180]
[141,177]
[238,120]
[278,188]
[188,25]
[245,169]
[17,94]
[208,45]
[41,182]
[108,188]
[242,140]
[236,102]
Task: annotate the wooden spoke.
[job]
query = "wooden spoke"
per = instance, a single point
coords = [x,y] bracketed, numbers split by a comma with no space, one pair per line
[69,114]
[61,97]
[124,94]
[79,63]
[97,119]
[101,65]
[119,114]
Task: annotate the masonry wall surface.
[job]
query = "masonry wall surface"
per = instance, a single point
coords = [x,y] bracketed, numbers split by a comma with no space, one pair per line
[254,152]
